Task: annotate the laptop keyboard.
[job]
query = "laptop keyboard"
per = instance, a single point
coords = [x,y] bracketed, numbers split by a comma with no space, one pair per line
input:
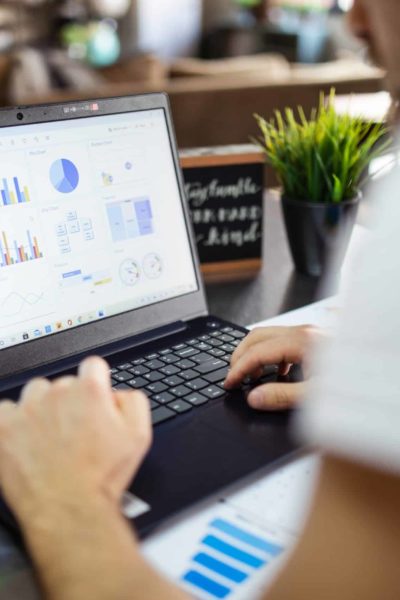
[182,377]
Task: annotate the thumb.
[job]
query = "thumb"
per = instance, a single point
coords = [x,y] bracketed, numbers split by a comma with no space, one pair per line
[277,396]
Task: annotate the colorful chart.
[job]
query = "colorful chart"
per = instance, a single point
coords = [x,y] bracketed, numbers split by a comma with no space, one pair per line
[18,195]
[228,556]
[15,252]
[64,176]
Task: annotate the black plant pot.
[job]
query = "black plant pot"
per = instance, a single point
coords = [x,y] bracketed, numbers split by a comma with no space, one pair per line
[318,232]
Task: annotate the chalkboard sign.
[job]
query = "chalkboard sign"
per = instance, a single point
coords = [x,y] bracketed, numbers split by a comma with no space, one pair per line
[224,189]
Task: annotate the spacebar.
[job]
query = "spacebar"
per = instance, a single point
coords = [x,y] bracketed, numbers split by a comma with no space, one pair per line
[216,376]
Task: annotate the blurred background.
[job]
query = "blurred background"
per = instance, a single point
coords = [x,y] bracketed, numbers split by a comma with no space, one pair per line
[220,60]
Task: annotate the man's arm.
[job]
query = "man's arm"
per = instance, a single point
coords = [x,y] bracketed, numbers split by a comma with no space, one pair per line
[351,545]
[84,549]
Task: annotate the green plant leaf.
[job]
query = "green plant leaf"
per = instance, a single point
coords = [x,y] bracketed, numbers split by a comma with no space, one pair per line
[323,158]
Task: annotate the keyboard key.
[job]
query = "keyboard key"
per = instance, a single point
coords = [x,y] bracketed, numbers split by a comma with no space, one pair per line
[153,405]
[173,381]
[197,384]
[217,352]
[212,365]
[186,363]
[180,391]
[215,342]
[151,356]
[154,364]
[227,338]
[154,376]
[156,388]
[138,361]
[217,376]
[213,392]
[216,333]
[202,357]
[123,376]
[227,329]
[139,370]
[196,399]
[199,344]
[228,348]
[170,359]
[186,352]
[180,406]
[113,371]
[161,414]
[204,338]
[238,334]
[124,367]
[170,370]
[179,347]
[122,386]
[189,374]
[165,351]
[203,346]
[163,398]
[137,382]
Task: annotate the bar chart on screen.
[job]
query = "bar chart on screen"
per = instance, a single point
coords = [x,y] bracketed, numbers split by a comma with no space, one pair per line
[15,251]
[12,191]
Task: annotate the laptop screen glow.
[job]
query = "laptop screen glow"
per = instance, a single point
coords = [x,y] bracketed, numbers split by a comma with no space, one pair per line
[91,223]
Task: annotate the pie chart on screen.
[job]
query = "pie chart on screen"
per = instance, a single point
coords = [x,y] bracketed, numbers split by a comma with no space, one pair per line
[64,176]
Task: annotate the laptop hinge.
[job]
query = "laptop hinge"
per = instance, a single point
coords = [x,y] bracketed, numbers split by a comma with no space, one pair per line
[132,342]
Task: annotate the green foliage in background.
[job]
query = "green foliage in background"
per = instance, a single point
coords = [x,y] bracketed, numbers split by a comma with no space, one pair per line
[324,158]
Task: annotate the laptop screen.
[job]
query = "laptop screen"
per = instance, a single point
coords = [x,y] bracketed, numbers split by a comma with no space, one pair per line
[91,223]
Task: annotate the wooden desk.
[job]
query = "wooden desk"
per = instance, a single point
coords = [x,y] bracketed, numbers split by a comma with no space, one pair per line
[277,289]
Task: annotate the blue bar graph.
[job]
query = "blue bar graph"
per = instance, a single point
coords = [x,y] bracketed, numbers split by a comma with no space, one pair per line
[13,196]
[228,556]
[207,585]
[233,552]
[248,538]
[205,560]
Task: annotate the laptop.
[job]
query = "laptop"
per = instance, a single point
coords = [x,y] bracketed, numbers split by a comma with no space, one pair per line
[97,256]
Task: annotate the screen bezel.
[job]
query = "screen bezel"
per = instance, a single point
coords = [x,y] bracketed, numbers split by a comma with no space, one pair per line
[85,338]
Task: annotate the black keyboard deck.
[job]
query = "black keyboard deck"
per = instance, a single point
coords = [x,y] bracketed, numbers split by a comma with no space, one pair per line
[181,377]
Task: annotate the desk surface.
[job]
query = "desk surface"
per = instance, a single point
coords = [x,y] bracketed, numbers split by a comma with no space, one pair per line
[277,289]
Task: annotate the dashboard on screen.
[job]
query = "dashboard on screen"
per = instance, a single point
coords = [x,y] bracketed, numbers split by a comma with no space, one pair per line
[91,223]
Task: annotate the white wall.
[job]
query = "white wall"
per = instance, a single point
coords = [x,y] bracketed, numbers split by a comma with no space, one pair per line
[169,27]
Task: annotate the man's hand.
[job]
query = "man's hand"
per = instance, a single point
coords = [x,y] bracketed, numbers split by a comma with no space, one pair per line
[265,346]
[71,439]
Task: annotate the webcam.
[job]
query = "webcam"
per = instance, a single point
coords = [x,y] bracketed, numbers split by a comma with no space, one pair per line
[20,116]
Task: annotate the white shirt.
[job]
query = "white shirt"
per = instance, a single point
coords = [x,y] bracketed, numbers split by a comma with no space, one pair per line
[354,408]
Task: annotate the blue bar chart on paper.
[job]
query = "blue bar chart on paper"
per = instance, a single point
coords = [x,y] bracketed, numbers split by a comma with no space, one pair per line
[13,192]
[227,557]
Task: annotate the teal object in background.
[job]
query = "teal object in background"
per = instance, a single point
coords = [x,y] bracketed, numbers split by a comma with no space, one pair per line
[103,46]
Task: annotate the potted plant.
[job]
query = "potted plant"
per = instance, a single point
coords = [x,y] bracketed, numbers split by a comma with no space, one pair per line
[321,164]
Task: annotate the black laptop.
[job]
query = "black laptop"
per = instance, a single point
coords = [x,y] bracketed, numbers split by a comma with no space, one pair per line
[97,256]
